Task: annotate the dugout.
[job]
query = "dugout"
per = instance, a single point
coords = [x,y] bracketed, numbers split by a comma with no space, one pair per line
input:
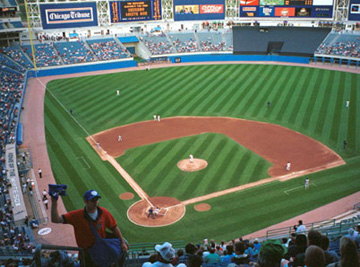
[287,41]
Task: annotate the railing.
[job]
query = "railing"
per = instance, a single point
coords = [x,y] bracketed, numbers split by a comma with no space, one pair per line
[39,247]
[328,228]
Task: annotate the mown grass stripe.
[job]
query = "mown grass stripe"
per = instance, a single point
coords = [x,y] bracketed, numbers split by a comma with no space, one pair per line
[286,98]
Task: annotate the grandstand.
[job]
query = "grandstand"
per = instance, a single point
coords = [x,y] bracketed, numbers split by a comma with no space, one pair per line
[134,53]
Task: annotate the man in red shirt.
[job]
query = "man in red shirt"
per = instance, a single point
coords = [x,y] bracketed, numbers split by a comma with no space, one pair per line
[99,217]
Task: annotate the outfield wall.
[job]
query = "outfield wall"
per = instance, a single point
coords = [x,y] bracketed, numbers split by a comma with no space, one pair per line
[174,59]
[82,68]
[231,57]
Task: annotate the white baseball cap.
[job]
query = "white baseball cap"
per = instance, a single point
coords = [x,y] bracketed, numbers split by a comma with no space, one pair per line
[166,251]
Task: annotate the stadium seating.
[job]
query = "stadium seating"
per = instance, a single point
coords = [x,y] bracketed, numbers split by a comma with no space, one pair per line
[17,55]
[211,41]
[5,61]
[184,42]
[158,44]
[74,52]
[17,24]
[341,44]
[107,49]
[45,55]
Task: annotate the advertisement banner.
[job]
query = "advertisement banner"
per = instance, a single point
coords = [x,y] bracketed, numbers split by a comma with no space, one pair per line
[124,11]
[354,10]
[199,10]
[249,11]
[284,12]
[249,2]
[69,15]
[322,12]
[267,11]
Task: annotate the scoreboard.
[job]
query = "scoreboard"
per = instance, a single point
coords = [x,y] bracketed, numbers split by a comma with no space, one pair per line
[123,11]
[321,9]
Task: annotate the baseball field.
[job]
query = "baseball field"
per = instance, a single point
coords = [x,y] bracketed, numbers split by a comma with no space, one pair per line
[308,101]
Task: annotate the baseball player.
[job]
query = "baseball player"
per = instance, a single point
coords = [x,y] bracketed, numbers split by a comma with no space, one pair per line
[347,103]
[98,146]
[158,118]
[155,117]
[191,158]
[119,138]
[117,92]
[288,165]
[307,183]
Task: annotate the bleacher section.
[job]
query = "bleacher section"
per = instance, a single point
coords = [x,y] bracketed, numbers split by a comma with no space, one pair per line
[17,55]
[5,61]
[107,49]
[157,44]
[184,42]
[345,45]
[74,52]
[45,55]
[211,41]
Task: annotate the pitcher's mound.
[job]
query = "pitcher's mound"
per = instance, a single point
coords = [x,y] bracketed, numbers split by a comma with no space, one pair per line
[171,210]
[197,165]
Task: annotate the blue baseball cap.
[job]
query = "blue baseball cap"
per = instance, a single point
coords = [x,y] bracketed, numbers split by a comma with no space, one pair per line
[90,194]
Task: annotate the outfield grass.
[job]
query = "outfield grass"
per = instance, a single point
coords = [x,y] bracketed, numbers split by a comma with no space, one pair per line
[311,101]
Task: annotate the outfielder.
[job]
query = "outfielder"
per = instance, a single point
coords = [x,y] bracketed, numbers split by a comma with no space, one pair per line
[307,183]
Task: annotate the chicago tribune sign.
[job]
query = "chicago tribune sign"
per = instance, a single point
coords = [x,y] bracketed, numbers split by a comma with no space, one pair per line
[68,15]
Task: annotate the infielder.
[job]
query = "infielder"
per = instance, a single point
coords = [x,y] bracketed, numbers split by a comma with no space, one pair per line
[154,117]
[158,117]
[119,138]
[191,158]
[288,165]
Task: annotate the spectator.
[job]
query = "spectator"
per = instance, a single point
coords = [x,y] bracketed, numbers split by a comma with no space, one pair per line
[314,257]
[271,254]
[165,254]
[81,219]
[240,256]
[330,256]
[349,254]
[300,228]
[191,258]
[212,258]
[228,254]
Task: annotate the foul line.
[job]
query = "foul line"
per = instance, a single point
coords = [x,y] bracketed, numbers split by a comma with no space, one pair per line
[76,121]
[84,161]
[113,162]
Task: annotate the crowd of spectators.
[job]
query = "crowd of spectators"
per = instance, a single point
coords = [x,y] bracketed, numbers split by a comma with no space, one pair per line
[45,54]
[159,48]
[343,45]
[310,249]
[108,50]
[207,46]
[74,52]
[17,55]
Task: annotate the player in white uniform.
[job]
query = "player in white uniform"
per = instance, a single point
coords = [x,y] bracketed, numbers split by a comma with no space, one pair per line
[191,158]
[288,165]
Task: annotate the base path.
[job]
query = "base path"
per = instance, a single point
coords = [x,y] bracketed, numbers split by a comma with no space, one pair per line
[274,143]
